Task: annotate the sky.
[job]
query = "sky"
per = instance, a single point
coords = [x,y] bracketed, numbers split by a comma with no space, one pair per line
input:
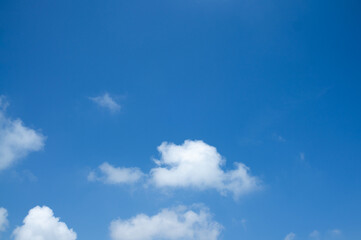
[179,120]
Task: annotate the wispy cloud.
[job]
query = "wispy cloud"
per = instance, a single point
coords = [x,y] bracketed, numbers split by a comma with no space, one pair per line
[3,103]
[330,234]
[244,224]
[290,236]
[335,232]
[3,219]
[315,235]
[302,156]
[16,140]
[278,138]
[106,101]
[106,173]
[23,175]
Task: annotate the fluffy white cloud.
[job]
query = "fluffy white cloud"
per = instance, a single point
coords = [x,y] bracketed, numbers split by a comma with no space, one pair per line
[290,236]
[172,224]
[198,165]
[40,224]
[3,219]
[107,102]
[194,164]
[16,140]
[112,175]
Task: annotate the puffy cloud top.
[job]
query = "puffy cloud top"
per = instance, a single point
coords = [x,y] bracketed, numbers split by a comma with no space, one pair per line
[16,140]
[198,165]
[179,223]
[40,224]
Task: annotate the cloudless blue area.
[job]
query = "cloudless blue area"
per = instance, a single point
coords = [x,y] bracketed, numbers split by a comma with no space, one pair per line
[263,81]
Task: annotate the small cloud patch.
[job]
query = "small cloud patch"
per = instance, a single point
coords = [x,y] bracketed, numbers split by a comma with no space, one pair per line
[107,102]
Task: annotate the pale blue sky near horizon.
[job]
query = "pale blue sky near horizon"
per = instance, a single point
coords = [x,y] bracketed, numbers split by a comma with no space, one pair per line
[272,84]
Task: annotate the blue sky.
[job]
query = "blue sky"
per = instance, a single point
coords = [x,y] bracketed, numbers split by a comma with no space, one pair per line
[91,90]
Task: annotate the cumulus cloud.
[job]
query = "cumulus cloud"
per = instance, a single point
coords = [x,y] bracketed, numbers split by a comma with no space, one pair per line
[194,164]
[178,223]
[290,236]
[16,140]
[3,219]
[198,165]
[114,175]
[41,224]
[107,102]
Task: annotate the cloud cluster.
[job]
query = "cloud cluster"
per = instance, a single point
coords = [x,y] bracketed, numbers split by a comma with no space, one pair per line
[107,102]
[41,224]
[16,140]
[193,164]
[112,175]
[3,219]
[179,223]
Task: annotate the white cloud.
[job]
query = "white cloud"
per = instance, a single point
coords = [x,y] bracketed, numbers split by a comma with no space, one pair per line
[196,164]
[16,140]
[172,224]
[41,224]
[3,219]
[290,236]
[112,175]
[106,101]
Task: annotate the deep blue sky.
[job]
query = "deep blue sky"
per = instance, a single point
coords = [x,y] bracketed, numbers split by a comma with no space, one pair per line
[265,82]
